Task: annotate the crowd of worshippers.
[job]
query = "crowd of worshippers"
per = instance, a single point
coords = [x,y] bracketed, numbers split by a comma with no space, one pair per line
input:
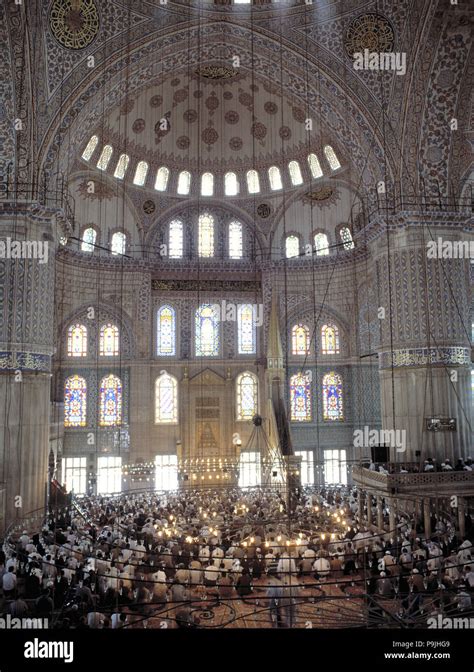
[429,465]
[145,554]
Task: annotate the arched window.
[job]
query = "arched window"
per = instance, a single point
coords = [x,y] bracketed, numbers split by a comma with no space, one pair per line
[300,398]
[346,237]
[77,341]
[247,396]
[110,408]
[246,329]
[89,236]
[321,244]
[184,182]
[166,332]
[300,340]
[90,148]
[121,167]
[104,158]
[166,399]
[274,177]
[175,242]
[253,182]
[206,235]
[292,247]
[75,402]
[119,243]
[314,166]
[140,173]
[207,184]
[207,331]
[331,157]
[235,240]
[162,177]
[109,341]
[231,184]
[329,339]
[332,397]
[295,173]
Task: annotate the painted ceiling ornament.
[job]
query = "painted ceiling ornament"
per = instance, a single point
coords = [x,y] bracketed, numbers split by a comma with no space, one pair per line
[149,207]
[209,136]
[215,72]
[212,103]
[155,101]
[236,144]
[264,210]
[270,107]
[138,125]
[323,196]
[74,23]
[95,190]
[190,116]
[258,130]
[231,117]
[369,31]
[183,142]
[285,132]
[299,114]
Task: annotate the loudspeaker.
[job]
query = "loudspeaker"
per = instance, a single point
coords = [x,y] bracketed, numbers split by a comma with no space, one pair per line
[274,474]
[380,453]
[185,477]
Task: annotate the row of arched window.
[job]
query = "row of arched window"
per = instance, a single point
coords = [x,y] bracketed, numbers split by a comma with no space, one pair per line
[166,399]
[206,334]
[78,341]
[118,242]
[320,247]
[232,186]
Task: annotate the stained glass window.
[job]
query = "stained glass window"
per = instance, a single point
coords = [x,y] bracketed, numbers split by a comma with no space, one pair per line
[206,236]
[292,247]
[90,148]
[109,340]
[121,167]
[166,332]
[175,243]
[346,237]
[331,157]
[247,396]
[207,331]
[329,339]
[166,399]
[314,166]
[75,402]
[235,240]
[295,173]
[119,243]
[300,398]
[300,340]
[274,177]
[104,157]
[231,184]
[77,341]
[110,411]
[140,173]
[184,183]
[246,329]
[321,244]
[89,237]
[162,177]
[332,397]
[207,184]
[253,182]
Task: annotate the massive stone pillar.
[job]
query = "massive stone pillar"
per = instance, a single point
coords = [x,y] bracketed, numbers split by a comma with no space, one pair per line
[425,326]
[26,347]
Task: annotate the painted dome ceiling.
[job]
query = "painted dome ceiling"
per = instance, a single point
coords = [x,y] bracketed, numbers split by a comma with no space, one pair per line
[215,119]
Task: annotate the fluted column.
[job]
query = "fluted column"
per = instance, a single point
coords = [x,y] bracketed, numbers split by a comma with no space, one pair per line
[26,348]
[425,326]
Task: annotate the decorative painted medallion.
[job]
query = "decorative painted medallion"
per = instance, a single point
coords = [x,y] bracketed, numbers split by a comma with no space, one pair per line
[74,23]
[216,72]
[369,31]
